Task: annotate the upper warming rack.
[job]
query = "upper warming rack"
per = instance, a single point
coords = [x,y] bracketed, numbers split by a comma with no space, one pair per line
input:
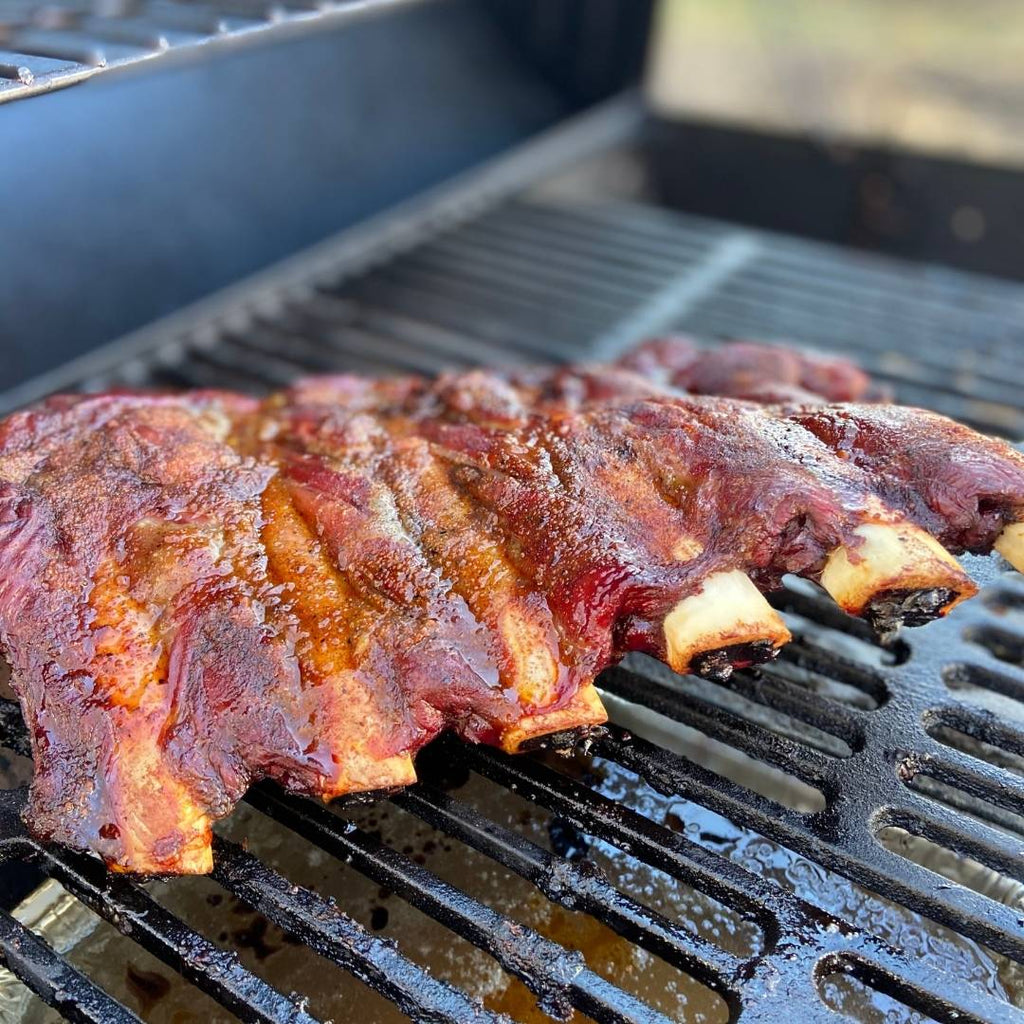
[49,45]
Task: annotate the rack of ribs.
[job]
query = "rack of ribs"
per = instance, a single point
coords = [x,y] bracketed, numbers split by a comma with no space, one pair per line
[205,589]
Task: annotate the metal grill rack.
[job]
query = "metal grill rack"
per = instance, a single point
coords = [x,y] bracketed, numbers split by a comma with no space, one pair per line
[50,45]
[542,278]
[920,748]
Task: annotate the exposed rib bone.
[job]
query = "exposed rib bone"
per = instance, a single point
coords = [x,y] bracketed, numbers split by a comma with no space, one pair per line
[585,709]
[534,669]
[898,574]
[1010,544]
[726,624]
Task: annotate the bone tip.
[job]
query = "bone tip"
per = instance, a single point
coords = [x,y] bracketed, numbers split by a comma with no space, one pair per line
[728,624]
[365,774]
[720,664]
[895,574]
[1010,544]
[579,717]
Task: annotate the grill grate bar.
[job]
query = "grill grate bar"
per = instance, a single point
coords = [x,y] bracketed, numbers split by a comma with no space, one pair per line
[970,774]
[323,928]
[332,327]
[803,762]
[54,980]
[425,336]
[983,726]
[299,353]
[250,374]
[605,243]
[160,377]
[597,815]
[943,826]
[476,318]
[548,328]
[969,804]
[271,371]
[489,259]
[990,677]
[636,274]
[489,271]
[132,911]
[772,690]
[577,886]
[352,335]
[644,225]
[803,656]
[887,278]
[189,372]
[559,977]
[832,306]
[979,309]
[306,348]
[911,288]
[791,926]
[505,308]
[826,614]
[860,858]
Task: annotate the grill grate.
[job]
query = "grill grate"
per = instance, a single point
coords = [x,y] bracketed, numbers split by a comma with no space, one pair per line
[906,736]
[538,278]
[50,45]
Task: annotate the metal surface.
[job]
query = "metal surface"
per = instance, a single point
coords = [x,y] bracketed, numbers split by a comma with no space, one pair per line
[542,278]
[45,46]
[921,742]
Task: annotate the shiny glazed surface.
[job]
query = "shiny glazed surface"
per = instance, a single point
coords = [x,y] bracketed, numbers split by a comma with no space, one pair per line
[202,590]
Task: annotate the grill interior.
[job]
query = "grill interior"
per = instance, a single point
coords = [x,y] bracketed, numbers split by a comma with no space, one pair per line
[889,773]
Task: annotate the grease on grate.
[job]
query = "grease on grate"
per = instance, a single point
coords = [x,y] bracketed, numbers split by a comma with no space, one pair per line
[153,990]
[157,993]
[162,997]
[922,939]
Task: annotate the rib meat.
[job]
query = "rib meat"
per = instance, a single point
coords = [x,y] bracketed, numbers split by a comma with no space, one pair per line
[198,591]
[752,370]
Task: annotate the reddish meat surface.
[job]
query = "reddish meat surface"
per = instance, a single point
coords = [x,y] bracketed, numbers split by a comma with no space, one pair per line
[753,370]
[203,590]
[962,487]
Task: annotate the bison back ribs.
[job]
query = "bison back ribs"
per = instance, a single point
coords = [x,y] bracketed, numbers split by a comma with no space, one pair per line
[201,590]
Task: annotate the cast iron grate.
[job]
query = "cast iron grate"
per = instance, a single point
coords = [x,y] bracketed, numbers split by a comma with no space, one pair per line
[924,746]
[543,278]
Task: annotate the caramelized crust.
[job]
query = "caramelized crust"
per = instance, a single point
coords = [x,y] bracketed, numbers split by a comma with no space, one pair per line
[199,591]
